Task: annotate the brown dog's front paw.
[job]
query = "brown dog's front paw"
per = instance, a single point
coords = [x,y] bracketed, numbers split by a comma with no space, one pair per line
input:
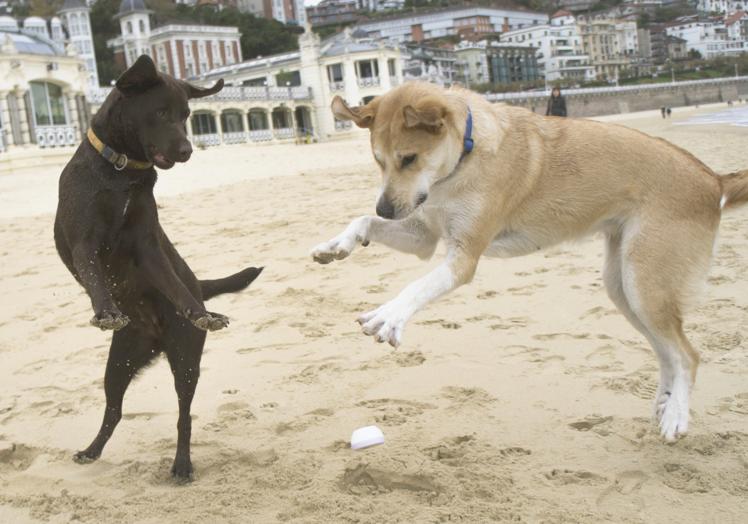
[85,457]
[113,320]
[182,472]
[211,321]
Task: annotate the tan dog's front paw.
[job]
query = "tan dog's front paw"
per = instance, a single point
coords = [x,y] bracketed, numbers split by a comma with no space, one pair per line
[385,324]
[336,249]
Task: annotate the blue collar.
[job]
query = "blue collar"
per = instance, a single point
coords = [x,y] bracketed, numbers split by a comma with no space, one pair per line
[467,141]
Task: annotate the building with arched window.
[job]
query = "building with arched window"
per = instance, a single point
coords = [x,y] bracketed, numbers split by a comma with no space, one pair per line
[180,50]
[42,97]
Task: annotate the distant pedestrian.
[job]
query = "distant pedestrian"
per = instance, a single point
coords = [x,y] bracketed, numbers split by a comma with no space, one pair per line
[662,110]
[669,111]
[556,104]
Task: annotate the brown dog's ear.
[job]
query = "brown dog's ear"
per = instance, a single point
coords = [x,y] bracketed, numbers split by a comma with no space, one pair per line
[199,92]
[141,76]
[362,116]
[428,113]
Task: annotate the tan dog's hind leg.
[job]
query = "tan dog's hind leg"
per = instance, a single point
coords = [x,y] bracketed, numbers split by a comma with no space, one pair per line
[649,276]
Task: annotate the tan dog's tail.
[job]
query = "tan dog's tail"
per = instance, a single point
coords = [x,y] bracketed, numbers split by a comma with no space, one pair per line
[734,188]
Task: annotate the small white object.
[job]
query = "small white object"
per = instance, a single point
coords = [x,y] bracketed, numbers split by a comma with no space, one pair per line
[366,437]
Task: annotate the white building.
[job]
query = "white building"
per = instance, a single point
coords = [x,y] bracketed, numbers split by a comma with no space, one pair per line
[559,47]
[288,95]
[75,18]
[612,44]
[464,21]
[42,102]
[709,39]
[721,6]
[178,50]
[380,5]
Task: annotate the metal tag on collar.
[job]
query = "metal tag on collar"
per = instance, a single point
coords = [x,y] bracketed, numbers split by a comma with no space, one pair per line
[121,162]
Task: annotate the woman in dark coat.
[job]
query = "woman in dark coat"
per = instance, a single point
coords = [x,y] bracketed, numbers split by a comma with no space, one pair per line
[556,104]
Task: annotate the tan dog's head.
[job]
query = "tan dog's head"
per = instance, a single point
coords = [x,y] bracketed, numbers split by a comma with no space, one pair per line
[414,140]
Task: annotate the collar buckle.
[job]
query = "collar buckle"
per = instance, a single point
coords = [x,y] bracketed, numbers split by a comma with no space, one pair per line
[121,162]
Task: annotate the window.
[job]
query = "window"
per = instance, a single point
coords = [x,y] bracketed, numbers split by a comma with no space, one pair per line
[129,28]
[231,122]
[367,69]
[141,24]
[48,104]
[229,53]
[216,53]
[203,124]
[258,120]
[74,27]
[335,73]
[391,68]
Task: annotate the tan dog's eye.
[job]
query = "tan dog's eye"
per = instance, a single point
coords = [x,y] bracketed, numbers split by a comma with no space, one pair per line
[407,160]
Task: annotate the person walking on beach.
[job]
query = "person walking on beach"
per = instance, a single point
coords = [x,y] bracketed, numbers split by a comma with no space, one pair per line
[556,104]
[662,110]
[669,111]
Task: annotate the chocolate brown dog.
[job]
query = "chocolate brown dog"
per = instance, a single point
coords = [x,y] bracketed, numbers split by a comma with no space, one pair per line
[108,235]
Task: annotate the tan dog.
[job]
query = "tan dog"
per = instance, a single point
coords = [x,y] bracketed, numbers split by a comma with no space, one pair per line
[532,182]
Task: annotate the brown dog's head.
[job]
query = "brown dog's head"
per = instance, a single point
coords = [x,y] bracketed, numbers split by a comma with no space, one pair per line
[414,141]
[146,115]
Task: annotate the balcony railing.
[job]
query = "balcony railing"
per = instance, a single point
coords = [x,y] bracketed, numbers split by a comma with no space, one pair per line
[206,140]
[260,135]
[342,125]
[337,86]
[235,137]
[97,96]
[283,132]
[55,136]
[372,81]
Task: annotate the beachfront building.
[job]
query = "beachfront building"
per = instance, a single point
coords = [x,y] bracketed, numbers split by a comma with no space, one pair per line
[612,44]
[438,23]
[472,63]
[333,12]
[490,62]
[288,96]
[512,64]
[177,49]
[559,48]
[709,38]
[42,97]
[74,16]
[436,65]
[721,6]
[71,28]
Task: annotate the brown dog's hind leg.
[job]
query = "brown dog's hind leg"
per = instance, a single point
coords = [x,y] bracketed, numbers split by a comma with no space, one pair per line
[183,344]
[129,352]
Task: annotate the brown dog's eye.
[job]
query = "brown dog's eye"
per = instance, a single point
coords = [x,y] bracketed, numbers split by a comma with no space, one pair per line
[163,113]
[407,160]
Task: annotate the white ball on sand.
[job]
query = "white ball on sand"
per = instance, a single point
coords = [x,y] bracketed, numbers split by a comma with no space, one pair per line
[366,437]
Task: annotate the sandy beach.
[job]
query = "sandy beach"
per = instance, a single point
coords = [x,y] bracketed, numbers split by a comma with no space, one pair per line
[521,397]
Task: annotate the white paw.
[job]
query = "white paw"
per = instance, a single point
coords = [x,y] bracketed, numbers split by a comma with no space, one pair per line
[386,323]
[671,409]
[336,249]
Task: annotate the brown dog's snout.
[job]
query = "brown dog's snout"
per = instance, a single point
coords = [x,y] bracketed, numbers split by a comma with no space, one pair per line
[185,152]
[385,209]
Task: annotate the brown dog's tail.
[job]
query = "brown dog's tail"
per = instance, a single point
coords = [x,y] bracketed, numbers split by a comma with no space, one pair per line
[734,188]
[232,284]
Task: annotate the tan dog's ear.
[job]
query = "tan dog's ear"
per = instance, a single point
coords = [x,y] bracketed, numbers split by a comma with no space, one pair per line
[362,116]
[428,114]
